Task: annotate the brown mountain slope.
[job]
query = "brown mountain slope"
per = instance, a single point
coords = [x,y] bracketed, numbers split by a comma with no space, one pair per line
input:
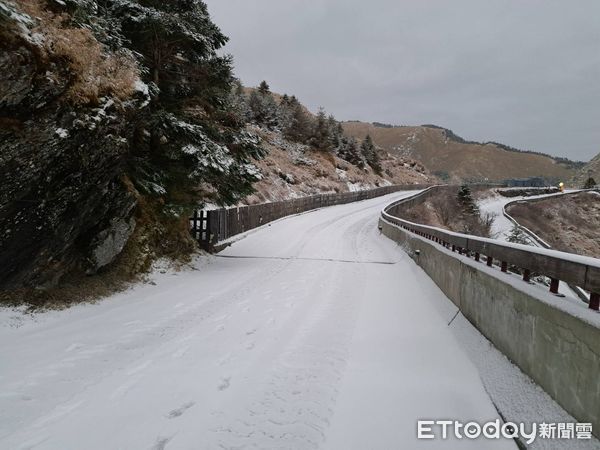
[442,153]
[291,170]
[591,169]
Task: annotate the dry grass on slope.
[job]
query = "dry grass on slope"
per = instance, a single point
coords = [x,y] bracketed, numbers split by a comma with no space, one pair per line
[96,71]
[461,161]
[570,223]
[294,170]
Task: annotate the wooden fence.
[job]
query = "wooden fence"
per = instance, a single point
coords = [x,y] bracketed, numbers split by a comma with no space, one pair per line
[213,226]
[572,269]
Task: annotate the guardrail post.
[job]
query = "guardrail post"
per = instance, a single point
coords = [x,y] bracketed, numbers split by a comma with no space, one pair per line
[477,256]
[504,267]
[527,275]
[595,301]
[554,284]
[490,261]
[453,247]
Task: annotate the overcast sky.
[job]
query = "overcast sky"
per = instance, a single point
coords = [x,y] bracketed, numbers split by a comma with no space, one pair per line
[522,72]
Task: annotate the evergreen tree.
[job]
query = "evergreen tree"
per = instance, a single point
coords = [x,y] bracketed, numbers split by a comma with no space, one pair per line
[239,103]
[177,46]
[334,131]
[284,113]
[517,236]
[349,150]
[298,128]
[590,183]
[370,154]
[320,138]
[263,109]
[178,43]
[466,201]
[264,88]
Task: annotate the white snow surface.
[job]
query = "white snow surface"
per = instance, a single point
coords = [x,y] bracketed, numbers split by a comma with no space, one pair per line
[313,332]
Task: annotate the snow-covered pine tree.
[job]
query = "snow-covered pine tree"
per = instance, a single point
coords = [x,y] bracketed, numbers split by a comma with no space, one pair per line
[298,128]
[239,103]
[263,108]
[192,139]
[370,155]
[334,131]
[349,150]
[517,236]
[321,133]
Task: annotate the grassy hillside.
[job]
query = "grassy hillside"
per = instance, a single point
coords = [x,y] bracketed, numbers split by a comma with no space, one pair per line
[453,158]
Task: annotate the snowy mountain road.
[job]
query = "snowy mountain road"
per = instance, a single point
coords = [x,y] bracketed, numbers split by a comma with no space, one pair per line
[313,332]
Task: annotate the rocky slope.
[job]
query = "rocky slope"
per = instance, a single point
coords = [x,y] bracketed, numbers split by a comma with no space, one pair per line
[591,169]
[118,118]
[454,159]
[291,170]
[108,140]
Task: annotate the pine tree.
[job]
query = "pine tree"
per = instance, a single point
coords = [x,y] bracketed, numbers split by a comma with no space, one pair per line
[334,134]
[264,88]
[177,46]
[349,150]
[263,109]
[590,183]
[466,201]
[239,103]
[298,127]
[284,113]
[517,236]
[370,154]
[320,139]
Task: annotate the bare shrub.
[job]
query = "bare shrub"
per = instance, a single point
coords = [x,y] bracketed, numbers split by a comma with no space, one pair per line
[443,209]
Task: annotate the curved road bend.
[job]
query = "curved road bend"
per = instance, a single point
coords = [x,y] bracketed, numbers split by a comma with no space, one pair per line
[314,332]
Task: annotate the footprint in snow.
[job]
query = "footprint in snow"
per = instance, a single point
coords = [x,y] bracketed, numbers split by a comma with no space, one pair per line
[225,383]
[161,443]
[180,411]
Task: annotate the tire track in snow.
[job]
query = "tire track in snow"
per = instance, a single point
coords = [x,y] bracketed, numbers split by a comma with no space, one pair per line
[294,407]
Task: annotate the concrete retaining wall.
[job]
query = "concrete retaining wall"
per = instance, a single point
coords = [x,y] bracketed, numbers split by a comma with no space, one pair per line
[559,351]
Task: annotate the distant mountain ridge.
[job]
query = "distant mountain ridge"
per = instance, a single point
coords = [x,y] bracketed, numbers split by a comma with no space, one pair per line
[453,158]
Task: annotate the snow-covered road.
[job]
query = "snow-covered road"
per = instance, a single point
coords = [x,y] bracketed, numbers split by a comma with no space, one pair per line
[314,332]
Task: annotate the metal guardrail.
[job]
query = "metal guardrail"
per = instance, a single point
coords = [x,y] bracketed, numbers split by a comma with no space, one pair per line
[569,268]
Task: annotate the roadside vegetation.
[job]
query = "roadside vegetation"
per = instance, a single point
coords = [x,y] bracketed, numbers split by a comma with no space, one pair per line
[454,209]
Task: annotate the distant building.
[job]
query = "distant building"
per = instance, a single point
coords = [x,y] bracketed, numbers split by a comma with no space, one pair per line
[526,182]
